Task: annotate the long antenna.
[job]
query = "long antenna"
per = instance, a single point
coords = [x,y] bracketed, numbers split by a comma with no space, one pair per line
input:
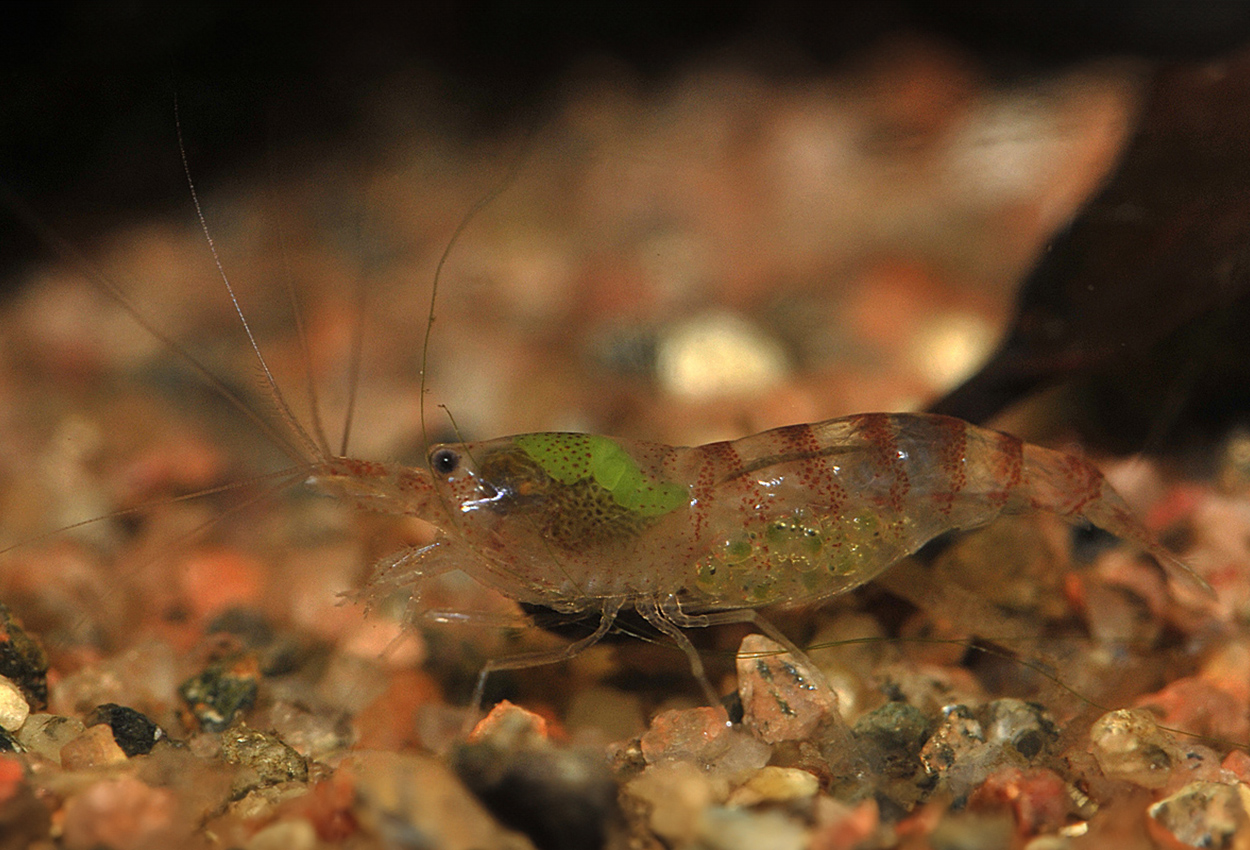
[309,444]
[314,403]
[353,377]
[89,271]
[479,205]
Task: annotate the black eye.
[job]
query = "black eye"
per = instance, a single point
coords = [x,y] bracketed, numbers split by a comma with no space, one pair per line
[444,461]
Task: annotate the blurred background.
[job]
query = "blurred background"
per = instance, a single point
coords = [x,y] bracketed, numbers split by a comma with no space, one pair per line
[717,217]
[679,222]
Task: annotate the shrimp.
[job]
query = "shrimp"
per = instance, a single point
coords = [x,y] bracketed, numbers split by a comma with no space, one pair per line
[686,536]
[695,536]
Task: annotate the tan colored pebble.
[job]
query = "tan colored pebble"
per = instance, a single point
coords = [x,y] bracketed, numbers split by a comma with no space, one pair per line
[677,793]
[1128,745]
[93,748]
[774,784]
[510,726]
[13,706]
[296,834]
[261,804]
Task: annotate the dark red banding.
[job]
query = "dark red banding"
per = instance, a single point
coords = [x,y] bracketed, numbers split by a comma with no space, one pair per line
[1086,480]
[878,431]
[1008,462]
[951,450]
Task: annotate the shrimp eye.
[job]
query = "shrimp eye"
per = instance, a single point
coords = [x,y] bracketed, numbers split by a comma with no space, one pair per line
[444,461]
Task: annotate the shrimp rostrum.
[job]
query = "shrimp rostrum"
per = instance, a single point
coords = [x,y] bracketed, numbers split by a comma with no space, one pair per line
[695,536]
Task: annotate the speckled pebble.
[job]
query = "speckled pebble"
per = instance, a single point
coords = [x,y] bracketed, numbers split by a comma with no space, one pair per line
[955,751]
[969,745]
[1203,814]
[297,834]
[93,748]
[1023,727]
[13,706]
[46,734]
[891,737]
[221,691]
[783,699]
[265,759]
[1128,745]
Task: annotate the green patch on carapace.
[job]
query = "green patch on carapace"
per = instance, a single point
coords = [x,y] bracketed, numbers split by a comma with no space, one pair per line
[572,458]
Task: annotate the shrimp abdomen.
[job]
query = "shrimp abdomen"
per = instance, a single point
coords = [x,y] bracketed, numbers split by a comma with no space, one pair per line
[1074,489]
[842,500]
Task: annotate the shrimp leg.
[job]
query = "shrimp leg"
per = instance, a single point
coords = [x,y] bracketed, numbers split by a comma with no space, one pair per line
[607,616]
[749,616]
[652,613]
[671,607]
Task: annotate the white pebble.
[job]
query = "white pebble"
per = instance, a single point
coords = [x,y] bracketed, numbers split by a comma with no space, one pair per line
[296,834]
[46,734]
[13,706]
[718,354]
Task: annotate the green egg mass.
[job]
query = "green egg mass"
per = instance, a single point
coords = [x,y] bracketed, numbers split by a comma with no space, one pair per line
[572,458]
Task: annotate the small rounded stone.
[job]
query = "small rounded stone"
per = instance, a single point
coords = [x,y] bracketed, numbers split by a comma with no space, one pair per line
[296,834]
[93,748]
[13,706]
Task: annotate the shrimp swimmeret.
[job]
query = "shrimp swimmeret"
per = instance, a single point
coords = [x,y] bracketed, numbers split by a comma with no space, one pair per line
[694,536]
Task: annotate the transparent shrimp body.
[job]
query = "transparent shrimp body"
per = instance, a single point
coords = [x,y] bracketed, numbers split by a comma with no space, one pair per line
[580,523]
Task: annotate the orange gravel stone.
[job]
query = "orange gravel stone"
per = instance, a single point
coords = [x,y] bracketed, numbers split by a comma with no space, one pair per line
[93,748]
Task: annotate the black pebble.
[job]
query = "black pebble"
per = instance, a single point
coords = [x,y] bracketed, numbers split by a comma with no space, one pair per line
[132,730]
[9,744]
[561,799]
